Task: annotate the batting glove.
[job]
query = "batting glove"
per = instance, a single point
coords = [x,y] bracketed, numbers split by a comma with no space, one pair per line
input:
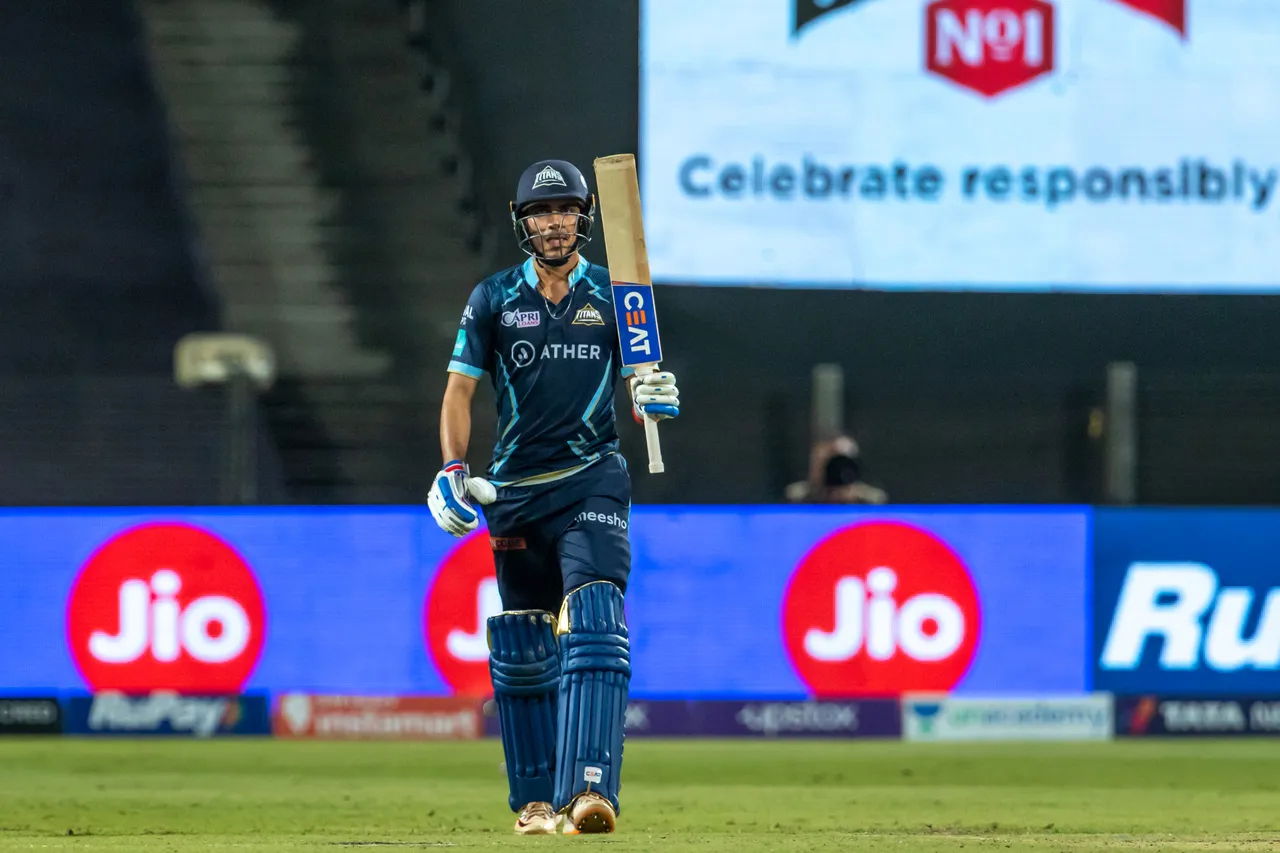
[656,395]
[450,498]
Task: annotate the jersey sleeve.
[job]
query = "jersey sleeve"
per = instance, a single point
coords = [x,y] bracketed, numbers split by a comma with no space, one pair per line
[473,347]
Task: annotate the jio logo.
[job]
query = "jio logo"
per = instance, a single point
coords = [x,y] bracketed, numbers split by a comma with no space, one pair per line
[462,597]
[166,607]
[879,609]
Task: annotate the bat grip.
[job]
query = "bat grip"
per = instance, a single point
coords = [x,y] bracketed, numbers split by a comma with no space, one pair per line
[655,446]
[651,429]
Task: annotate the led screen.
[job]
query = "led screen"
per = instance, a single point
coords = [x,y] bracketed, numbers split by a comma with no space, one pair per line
[1091,145]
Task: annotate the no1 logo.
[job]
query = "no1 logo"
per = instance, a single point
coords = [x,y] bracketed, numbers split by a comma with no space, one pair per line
[989,46]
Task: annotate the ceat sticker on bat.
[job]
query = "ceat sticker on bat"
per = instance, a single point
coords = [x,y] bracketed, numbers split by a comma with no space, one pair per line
[637,323]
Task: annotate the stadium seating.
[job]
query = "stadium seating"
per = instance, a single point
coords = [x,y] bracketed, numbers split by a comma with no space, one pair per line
[99,275]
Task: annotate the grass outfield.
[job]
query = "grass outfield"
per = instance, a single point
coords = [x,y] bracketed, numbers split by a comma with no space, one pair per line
[148,794]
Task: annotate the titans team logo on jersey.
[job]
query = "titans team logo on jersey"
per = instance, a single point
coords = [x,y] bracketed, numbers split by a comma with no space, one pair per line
[588,315]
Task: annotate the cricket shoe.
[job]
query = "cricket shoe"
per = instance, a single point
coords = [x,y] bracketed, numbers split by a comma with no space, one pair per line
[589,813]
[536,819]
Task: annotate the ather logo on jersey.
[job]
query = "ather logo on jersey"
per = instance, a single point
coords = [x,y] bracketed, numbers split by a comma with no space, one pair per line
[523,353]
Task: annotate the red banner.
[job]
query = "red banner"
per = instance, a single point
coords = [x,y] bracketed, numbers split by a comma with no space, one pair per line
[302,715]
[1172,12]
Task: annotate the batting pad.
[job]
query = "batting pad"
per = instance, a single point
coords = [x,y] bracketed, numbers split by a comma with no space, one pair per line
[524,664]
[595,663]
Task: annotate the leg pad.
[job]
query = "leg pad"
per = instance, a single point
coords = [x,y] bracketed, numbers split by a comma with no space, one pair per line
[524,664]
[595,664]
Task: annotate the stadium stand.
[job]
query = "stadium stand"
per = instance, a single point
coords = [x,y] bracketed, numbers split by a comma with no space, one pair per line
[333,202]
[98,272]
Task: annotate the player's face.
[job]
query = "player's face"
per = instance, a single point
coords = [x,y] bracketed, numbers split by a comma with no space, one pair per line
[554,227]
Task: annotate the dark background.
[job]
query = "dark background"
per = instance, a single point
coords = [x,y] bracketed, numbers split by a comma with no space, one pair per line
[953,396]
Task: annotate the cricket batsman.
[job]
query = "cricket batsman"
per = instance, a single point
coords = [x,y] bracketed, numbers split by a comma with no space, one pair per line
[557,500]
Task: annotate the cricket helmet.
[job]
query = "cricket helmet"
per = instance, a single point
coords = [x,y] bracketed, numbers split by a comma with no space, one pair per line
[547,181]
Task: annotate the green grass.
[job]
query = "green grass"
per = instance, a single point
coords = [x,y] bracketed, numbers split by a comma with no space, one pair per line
[246,795]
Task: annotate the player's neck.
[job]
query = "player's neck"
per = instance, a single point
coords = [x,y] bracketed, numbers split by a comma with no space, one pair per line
[554,281]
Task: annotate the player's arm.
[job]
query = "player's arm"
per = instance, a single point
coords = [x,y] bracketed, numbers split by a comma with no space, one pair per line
[455,416]
[453,490]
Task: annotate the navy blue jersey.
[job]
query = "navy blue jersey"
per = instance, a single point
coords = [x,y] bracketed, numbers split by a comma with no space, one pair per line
[553,368]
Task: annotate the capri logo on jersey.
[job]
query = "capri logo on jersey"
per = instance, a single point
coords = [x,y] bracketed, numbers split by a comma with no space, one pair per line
[462,597]
[521,319]
[166,607]
[878,609]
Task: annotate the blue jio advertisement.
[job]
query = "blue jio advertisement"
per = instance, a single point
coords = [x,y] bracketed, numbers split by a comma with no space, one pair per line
[1187,602]
[724,602]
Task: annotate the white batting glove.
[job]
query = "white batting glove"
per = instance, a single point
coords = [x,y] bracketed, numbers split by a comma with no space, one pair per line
[655,395]
[450,498]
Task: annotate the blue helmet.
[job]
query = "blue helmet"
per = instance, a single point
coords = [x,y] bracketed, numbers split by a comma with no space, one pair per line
[546,181]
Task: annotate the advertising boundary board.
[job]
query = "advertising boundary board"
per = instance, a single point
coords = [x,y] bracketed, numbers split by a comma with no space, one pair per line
[166,714]
[826,602]
[30,715]
[1186,601]
[956,718]
[1188,716]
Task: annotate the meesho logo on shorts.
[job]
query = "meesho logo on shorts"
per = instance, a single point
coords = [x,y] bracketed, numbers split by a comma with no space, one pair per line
[166,607]
[459,602]
[878,609]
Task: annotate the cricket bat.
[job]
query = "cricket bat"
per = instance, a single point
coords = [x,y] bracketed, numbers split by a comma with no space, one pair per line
[629,269]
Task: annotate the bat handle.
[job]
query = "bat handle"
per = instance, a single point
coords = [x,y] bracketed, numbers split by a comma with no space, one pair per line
[651,429]
[655,446]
